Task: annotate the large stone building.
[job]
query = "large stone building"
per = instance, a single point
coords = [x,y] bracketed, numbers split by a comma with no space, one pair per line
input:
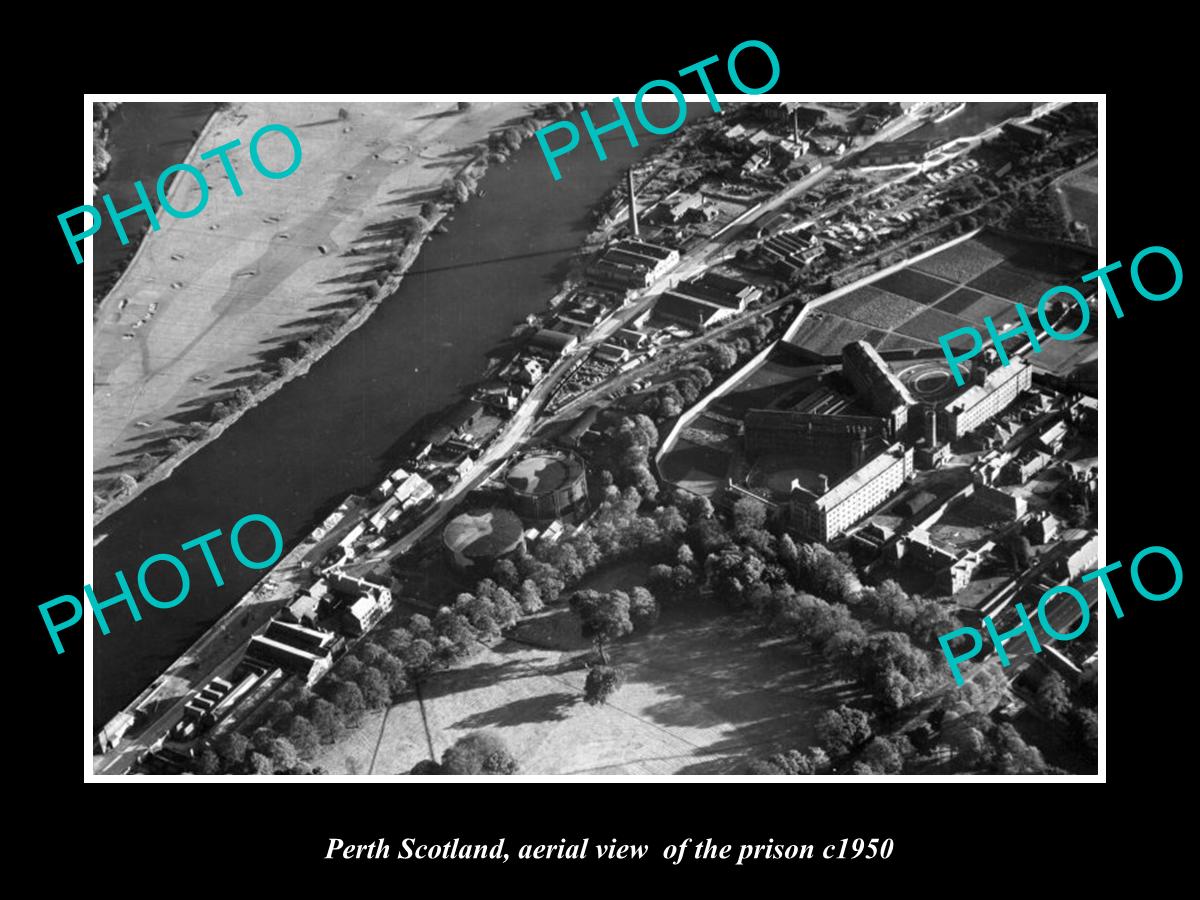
[877,388]
[832,442]
[990,393]
[824,516]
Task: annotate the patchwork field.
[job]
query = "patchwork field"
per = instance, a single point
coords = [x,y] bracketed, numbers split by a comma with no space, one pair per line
[703,690]
[915,285]
[875,307]
[826,333]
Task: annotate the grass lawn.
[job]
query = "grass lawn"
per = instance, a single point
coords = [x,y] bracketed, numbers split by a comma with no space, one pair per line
[704,691]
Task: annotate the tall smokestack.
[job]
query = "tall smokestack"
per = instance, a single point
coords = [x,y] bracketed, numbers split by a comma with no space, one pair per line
[633,213]
[795,126]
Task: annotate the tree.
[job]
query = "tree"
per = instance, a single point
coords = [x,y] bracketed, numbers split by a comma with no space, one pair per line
[530,597]
[350,703]
[506,574]
[1014,756]
[1054,698]
[723,357]
[370,653]
[232,747]
[395,675]
[882,755]
[304,737]
[602,617]
[259,764]
[374,686]
[843,729]
[749,514]
[643,609]
[283,755]
[479,753]
[210,762]
[327,719]
[421,628]
[426,767]
[602,682]
[349,668]
[418,658]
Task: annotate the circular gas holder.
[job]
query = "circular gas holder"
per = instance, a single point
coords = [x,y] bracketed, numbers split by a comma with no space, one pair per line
[930,381]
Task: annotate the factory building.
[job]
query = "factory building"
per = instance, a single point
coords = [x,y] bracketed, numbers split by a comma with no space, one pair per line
[548,485]
[990,394]
[877,388]
[552,344]
[632,263]
[832,442]
[826,515]
[477,540]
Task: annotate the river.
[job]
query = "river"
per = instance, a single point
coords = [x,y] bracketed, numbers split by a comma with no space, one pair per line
[975,118]
[338,428]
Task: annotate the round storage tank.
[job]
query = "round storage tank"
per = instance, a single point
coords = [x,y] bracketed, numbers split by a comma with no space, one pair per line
[478,539]
[548,485]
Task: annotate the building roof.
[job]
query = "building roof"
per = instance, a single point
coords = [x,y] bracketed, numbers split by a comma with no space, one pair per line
[996,379]
[542,473]
[642,248]
[555,341]
[677,306]
[720,289]
[861,477]
[491,532]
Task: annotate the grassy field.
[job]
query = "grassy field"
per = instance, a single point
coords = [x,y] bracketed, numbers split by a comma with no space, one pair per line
[704,690]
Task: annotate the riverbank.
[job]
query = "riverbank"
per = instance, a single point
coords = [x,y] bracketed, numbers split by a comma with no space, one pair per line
[188,340]
[101,158]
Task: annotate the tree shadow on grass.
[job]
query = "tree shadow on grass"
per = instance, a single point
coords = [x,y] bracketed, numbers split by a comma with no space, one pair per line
[544,708]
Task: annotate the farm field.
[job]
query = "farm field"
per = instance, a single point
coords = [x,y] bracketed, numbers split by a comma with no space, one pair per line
[915,285]
[875,307]
[827,334]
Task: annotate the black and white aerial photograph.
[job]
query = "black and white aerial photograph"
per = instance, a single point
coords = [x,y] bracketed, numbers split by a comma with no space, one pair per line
[509,438]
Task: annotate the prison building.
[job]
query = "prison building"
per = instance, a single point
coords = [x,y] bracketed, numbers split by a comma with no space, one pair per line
[989,395]
[877,388]
[823,517]
[836,443]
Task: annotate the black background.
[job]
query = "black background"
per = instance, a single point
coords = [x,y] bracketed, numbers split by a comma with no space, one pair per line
[949,836]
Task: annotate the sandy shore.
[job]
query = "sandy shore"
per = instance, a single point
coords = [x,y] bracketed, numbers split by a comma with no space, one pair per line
[218,292]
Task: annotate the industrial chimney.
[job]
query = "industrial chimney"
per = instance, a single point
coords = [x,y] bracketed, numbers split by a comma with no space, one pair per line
[633,213]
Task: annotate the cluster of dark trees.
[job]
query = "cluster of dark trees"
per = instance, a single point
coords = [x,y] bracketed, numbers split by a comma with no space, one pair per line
[478,753]
[264,753]
[691,380]
[1072,711]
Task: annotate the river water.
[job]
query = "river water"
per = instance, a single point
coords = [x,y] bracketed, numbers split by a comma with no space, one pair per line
[975,118]
[339,428]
